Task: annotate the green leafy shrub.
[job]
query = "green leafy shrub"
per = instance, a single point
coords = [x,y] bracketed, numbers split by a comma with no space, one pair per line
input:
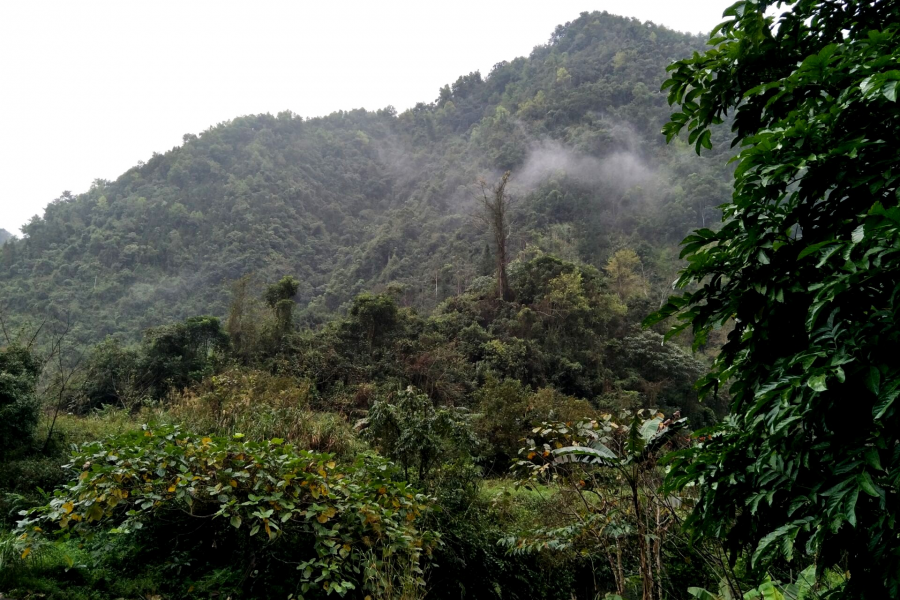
[180,354]
[610,466]
[268,499]
[19,370]
[508,410]
[473,565]
[420,437]
[807,585]
[26,475]
[111,377]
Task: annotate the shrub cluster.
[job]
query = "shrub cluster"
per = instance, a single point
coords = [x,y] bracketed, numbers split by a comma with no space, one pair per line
[268,499]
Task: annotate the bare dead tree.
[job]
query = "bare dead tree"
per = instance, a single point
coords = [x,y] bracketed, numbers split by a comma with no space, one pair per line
[59,366]
[495,208]
[17,337]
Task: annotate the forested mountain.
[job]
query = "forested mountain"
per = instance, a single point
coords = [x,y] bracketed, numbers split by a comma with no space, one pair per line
[431,385]
[359,200]
[4,235]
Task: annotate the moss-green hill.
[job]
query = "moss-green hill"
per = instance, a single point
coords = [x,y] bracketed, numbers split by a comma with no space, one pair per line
[357,200]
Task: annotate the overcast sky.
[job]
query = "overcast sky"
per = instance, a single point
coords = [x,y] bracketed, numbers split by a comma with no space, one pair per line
[89,87]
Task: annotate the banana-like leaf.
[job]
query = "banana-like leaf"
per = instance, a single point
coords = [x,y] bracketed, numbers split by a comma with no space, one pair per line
[597,454]
[650,427]
[804,587]
[702,594]
[658,439]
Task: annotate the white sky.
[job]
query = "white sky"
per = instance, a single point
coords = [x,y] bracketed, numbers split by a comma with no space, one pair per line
[89,87]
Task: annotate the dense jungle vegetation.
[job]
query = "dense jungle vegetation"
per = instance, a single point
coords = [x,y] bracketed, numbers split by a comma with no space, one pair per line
[433,354]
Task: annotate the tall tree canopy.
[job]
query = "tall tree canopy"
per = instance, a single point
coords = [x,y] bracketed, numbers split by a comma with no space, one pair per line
[806,266]
[19,371]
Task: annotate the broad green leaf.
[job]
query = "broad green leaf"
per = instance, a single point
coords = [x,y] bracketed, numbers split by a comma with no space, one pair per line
[884,404]
[872,459]
[873,379]
[817,383]
[867,485]
[770,592]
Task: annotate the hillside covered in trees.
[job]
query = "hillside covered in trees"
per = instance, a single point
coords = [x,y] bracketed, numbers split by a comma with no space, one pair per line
[363,347]
[382,356]
[363,200]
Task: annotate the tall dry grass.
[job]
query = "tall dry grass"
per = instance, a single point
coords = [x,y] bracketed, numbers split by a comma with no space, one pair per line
[262,406]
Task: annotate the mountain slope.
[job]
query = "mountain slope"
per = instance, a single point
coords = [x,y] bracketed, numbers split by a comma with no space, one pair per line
[362,199]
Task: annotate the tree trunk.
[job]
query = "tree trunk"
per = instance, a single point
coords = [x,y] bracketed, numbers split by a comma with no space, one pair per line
[612,569]
[620,579]
[659,541]
[500,236]
[505,292]
[495,208]
[643,546]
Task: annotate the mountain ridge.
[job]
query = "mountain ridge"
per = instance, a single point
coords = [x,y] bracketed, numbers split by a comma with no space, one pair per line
[360,199]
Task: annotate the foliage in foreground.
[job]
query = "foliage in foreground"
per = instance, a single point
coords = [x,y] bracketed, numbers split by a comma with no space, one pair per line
[807,586]
[274,502]
[608,466]
[807,267]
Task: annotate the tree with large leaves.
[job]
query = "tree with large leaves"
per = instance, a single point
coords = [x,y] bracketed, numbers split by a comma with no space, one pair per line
[806,265]
[610,466]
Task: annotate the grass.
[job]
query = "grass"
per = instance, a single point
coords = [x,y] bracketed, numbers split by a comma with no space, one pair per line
[262,406]
[58,571]
[76,429]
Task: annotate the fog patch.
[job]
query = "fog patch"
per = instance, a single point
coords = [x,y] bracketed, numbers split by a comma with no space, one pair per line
[622,169]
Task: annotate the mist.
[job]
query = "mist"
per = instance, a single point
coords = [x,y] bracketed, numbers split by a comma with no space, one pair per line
[620,170]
